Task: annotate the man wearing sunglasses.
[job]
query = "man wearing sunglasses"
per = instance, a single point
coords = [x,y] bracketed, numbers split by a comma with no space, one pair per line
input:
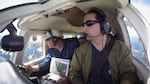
[102,60]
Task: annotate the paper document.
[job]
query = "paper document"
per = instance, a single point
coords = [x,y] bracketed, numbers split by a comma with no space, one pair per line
[58,66]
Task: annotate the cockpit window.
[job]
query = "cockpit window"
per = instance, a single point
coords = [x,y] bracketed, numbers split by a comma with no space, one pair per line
[3,53]
[33,49]
[138,50]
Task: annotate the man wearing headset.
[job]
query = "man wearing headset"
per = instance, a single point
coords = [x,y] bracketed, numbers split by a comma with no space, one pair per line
[58,47]
[102,60]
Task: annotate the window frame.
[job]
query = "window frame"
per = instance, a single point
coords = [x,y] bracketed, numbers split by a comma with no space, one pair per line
[128,24]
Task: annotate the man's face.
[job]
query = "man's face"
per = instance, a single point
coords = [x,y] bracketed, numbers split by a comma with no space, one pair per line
[91,26]
[50,43]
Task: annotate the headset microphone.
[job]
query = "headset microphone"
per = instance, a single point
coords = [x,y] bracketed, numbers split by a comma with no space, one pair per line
[54,38]
[93,36]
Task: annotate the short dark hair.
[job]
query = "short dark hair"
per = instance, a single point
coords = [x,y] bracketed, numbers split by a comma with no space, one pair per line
[100,15]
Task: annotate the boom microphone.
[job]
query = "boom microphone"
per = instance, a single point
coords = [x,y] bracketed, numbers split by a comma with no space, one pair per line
[93,36]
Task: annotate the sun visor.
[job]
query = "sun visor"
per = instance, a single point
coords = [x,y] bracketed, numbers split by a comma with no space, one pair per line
[12,43]
[122,3]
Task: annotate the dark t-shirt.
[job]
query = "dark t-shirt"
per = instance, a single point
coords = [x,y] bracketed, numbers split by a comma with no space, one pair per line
[100,72]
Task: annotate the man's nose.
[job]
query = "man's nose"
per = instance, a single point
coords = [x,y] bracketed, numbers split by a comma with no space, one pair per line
[85,28]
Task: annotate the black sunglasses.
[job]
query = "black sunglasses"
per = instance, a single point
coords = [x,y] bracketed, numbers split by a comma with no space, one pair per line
[90,23]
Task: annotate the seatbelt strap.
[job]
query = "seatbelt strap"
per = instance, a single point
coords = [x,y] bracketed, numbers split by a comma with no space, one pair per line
[109,46]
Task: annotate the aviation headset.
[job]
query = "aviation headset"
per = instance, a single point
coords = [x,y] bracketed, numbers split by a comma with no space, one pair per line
[103,20]
[54,38]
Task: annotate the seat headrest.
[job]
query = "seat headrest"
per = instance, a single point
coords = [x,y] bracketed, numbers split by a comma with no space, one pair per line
[12,43]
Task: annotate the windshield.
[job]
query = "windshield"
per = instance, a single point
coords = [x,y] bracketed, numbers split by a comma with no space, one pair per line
[9,3]
[3,53]
[143,6]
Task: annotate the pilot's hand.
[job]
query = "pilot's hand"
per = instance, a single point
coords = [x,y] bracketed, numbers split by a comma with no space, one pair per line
[28,69]
[64,80]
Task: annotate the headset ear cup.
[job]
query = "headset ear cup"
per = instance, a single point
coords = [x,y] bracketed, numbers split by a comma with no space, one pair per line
[54,39]
[105,27]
